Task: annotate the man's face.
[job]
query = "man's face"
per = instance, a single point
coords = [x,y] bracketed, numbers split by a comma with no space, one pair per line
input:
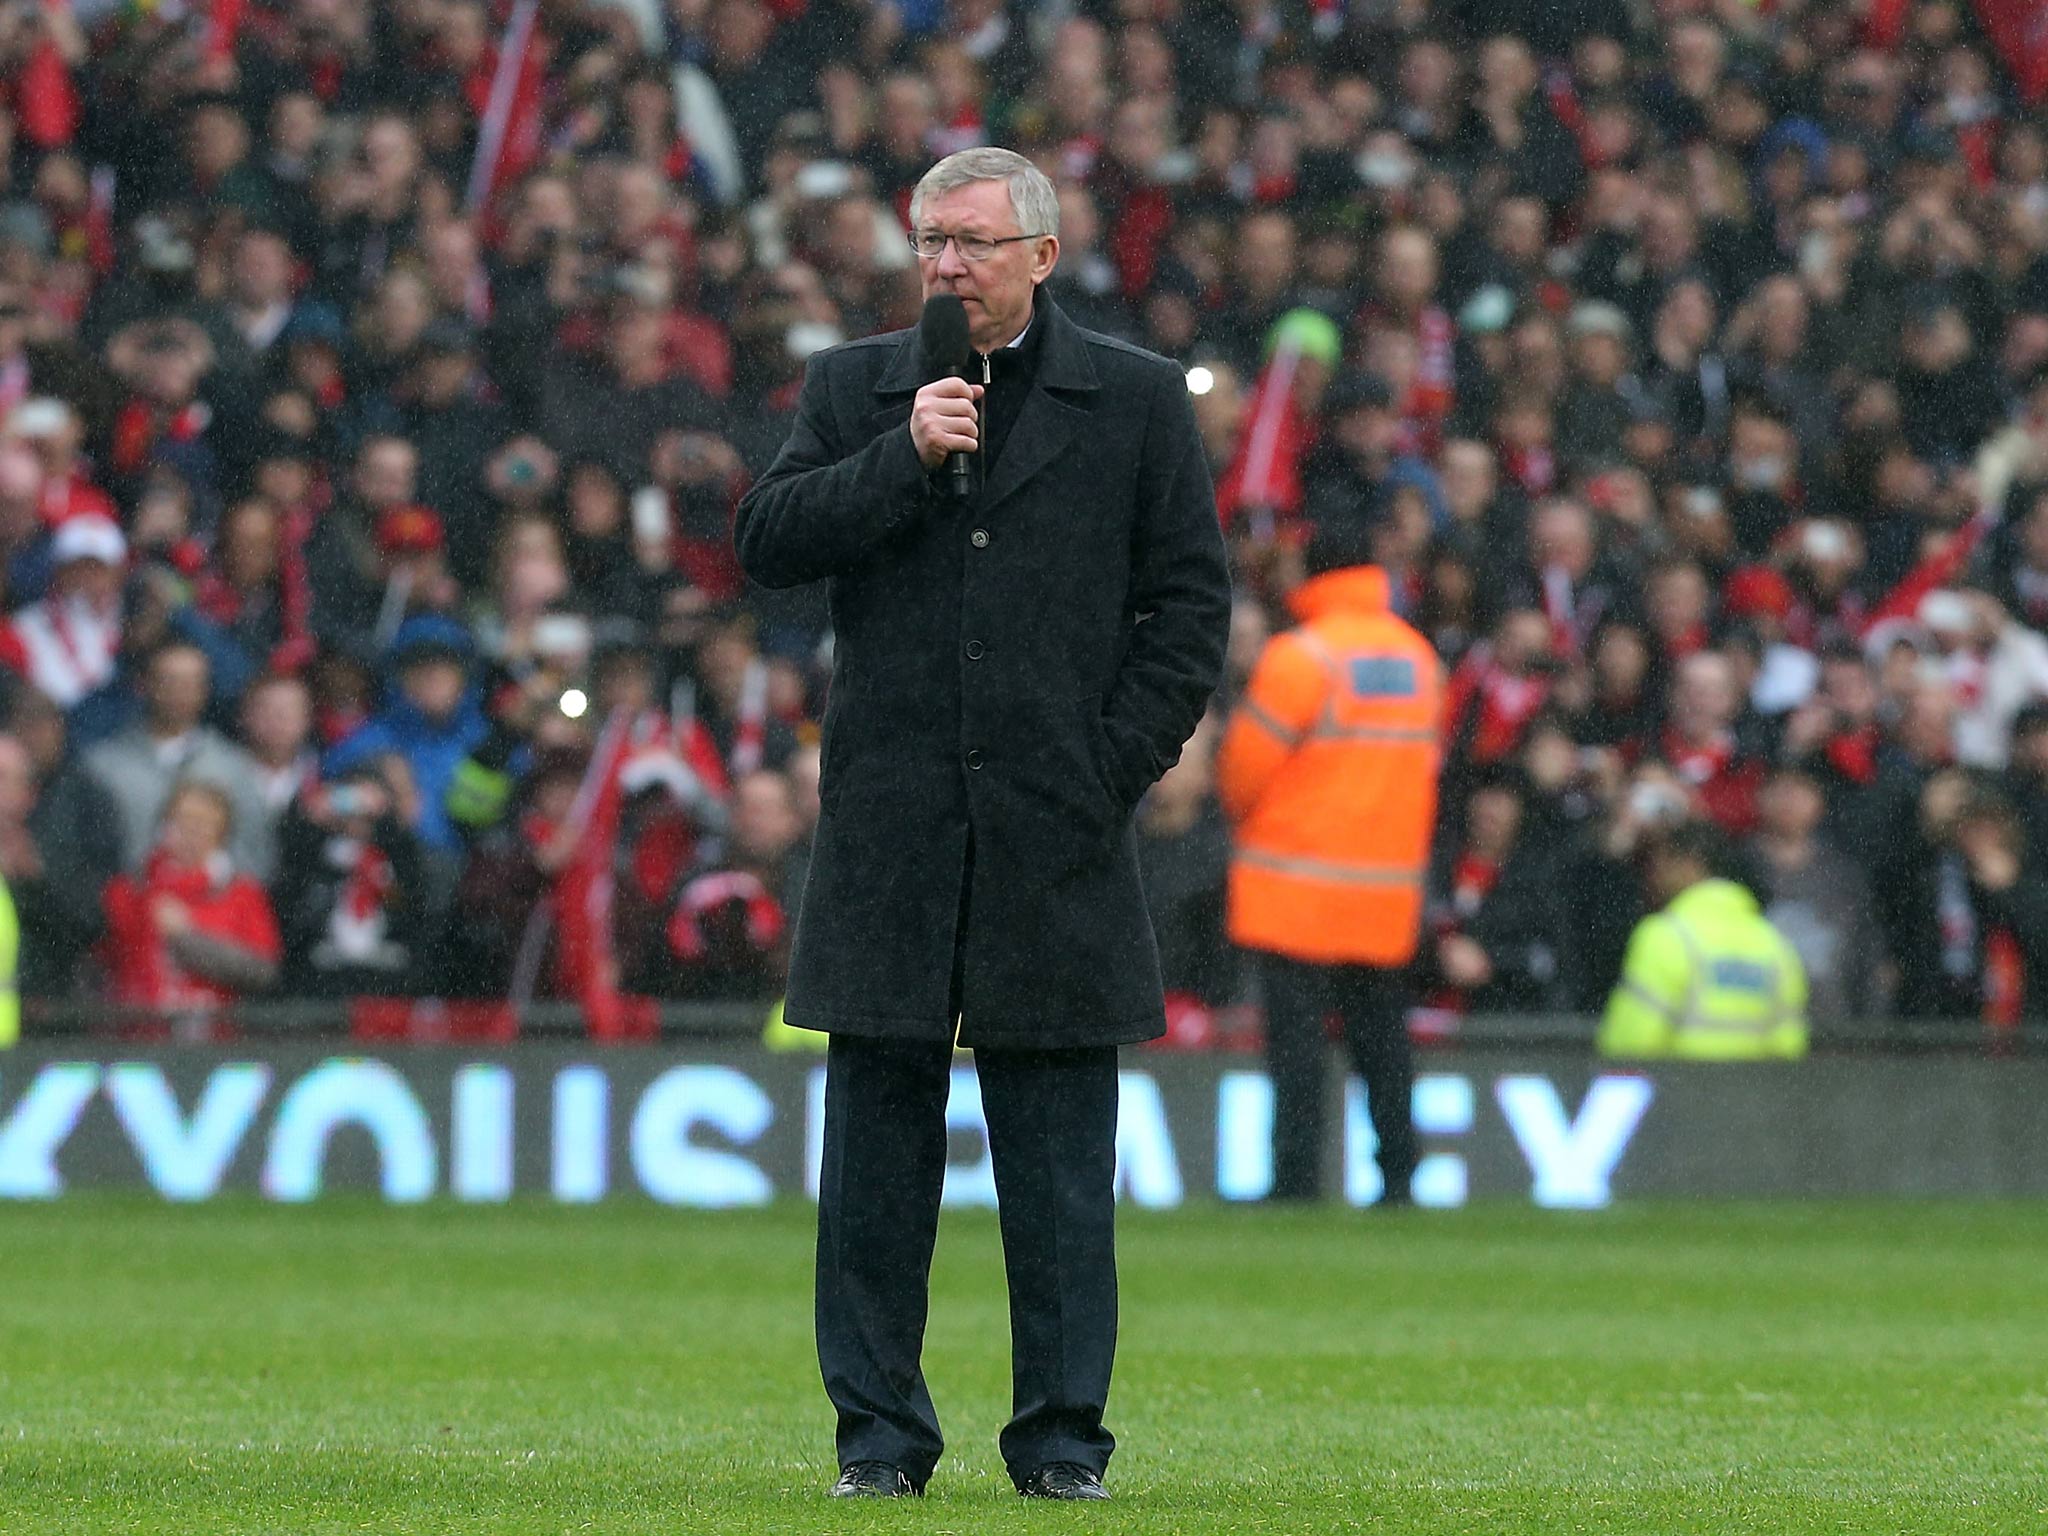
[195,828]
[2030,752]
[1704,698]
[1493,817]
[764,821]
[2034,536]
[1848,688]
[13,320]
[178,686]
[277,718]
[17,782]
[997,292]
[1468,477]
[434,686]
[1669,876]
[98,583]
[1265,254]
[1407,269]
[263,271]
[1790,805]
[385,476]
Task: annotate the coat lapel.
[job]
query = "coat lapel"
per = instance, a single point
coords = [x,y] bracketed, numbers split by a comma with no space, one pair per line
[904,374]
[1054,410]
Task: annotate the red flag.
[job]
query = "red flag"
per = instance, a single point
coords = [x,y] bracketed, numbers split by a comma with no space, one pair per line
[45,99]
[2020,30]
[222,24]
[508,139]
[586,962]
[1265,473]
[1885,24]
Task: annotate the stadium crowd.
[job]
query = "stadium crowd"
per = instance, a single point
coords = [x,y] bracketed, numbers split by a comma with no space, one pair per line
[377,382]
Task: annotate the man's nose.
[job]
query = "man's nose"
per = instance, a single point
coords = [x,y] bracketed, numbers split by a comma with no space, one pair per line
[951,263]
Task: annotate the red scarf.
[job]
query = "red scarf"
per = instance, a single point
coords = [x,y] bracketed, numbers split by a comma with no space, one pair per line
[368,884]
[1505,704]
[765,921]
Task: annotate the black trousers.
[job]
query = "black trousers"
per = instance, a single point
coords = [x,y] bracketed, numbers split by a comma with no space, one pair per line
[1052,1134]
[1373,1003]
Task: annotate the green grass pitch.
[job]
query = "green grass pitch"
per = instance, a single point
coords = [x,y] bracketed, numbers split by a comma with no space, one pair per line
[623,1369]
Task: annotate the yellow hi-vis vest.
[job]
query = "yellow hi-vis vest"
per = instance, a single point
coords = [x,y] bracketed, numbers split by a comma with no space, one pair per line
[1708,979]
[10,969]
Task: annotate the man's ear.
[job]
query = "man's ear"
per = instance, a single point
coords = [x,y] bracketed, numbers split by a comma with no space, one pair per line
[1045,258]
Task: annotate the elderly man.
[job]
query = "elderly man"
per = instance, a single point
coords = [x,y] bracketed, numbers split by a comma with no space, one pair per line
[1014,667]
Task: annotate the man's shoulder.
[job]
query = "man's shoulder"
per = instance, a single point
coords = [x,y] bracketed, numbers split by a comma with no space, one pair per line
[1125,357]
[118,751]
[862,356]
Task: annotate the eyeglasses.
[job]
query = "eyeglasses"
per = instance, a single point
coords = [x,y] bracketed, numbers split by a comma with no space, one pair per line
[932,243]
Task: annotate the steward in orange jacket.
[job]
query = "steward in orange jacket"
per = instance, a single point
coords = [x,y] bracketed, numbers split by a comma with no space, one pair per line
[1328,772]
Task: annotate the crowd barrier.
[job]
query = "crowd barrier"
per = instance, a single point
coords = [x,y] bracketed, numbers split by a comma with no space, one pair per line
[1512,1109]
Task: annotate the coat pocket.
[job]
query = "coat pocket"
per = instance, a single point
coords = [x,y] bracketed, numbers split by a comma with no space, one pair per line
[1089,708]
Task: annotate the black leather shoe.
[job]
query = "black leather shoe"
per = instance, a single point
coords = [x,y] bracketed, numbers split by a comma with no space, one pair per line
[875,1480]
[1063,1480]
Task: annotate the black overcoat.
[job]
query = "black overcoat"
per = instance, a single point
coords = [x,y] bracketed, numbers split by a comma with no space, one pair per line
[1018,667]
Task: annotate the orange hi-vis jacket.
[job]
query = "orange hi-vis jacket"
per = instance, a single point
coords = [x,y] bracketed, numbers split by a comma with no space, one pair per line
[1328,773]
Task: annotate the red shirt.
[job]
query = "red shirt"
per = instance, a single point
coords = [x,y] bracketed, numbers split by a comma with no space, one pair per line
[223,905]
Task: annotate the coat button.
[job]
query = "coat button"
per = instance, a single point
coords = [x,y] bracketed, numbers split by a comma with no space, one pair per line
[978,538]
[974,650]
[974,757]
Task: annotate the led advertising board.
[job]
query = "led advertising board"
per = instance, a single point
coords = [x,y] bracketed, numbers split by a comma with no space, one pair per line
[718,1127]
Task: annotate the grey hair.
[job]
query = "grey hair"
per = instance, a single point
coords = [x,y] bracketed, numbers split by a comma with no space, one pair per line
[1032,198]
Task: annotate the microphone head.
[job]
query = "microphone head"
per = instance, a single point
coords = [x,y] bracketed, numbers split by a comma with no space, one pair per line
[942,336]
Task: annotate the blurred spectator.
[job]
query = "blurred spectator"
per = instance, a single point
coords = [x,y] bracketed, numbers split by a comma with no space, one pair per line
[58,849]
[430,722]
[1653,341]
[1707,978]
[342,562]
[188,931]
[729,929]
[349,894]
[1701,745]
[1963,908]
[66,645]
[277,733]
[169,747]
[1184,859]
[1820,902]
[1492,944]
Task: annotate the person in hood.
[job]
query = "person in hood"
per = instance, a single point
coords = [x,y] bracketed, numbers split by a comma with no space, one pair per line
[433,720]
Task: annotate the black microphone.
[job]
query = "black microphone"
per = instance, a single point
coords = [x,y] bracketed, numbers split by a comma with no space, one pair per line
[943,338]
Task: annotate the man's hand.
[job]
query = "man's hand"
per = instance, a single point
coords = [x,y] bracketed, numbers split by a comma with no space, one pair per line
[1463,962]
[170,916]
[943,420]
[20,859]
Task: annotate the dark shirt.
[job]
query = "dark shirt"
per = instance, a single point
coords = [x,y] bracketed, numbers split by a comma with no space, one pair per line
[1011,370]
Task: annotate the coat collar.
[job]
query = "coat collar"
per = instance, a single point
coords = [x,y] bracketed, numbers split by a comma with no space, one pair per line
[1051,413]
[1062,364]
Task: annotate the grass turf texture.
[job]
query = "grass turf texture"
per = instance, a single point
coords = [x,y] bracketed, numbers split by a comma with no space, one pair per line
[344,1367]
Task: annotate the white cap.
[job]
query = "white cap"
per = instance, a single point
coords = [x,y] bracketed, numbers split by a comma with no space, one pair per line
[1946,612]
[43,416]
[89,538]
